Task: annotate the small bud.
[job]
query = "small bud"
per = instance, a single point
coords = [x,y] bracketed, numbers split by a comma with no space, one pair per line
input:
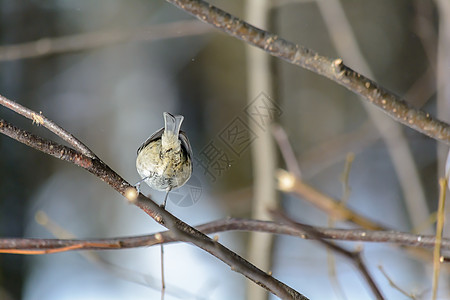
[286,181]
[337,62]
[131,194]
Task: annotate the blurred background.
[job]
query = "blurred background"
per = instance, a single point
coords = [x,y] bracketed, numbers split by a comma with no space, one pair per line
[107,70]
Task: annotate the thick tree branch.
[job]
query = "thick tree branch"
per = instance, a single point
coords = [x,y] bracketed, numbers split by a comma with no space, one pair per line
[333,69]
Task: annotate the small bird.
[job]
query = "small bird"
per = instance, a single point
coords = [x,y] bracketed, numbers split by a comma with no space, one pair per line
[164,160]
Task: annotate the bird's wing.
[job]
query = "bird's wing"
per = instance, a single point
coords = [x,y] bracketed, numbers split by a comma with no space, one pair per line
[185,143]
[154,136]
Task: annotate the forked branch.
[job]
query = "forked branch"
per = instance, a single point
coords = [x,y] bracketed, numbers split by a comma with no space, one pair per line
[178,229]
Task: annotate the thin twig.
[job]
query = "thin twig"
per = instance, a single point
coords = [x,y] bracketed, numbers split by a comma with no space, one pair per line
[394,285]
[286,150]
[331,223]
[334,280]
[163,282]
[346,189]
[354,256]
[333,150]
[233,224]
[179,229]
[92,40]
[439,229]
[333,69]
[421,91]
[40,119]
[288,183]
[95,258]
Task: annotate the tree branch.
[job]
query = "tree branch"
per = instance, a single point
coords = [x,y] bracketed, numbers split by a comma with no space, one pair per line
[333,69]
[354,256]
[39,119]
[233,224]
[179,229]
[289,183]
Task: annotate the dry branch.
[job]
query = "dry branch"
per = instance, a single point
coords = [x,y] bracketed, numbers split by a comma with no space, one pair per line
[233,224]
[289,183]
[354,256]
[40,119]
[179,229]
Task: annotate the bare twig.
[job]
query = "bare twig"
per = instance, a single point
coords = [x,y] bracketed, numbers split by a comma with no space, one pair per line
[354,256]
[179,229]
[395,286]
[161,248]
[234,224]
[40,119]
[396,143]
[334,280]
[286,150]
[346,189]
[288,183]
[334,149]
[439,229]
[335,69]
[294,168]
[345,196]
[420,92]
[163,282]
[92,40]
[95,258]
